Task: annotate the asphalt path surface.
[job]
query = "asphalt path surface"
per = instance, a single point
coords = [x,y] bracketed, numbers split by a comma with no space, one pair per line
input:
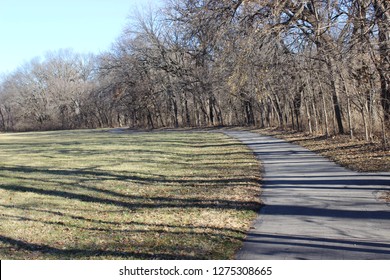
[313,208]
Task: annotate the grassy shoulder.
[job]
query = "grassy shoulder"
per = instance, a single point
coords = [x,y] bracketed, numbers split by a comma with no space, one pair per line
[96,195]
[357,155]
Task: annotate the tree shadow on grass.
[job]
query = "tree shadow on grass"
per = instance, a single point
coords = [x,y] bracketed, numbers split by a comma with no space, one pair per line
[131,223]
[87,253]
[83,185]
[77,191]
[155,202]
[102,175]
[176,231]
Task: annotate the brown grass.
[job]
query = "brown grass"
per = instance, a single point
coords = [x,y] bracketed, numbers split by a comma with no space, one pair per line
[96,195]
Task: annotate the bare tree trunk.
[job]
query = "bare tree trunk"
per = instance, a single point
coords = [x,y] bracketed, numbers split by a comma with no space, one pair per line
[349,117]
[325,115]
[315,117]
[292,115]
[211,111]
[150,119]
[382,10]
[365,125]
[335,96]
[187,113]
[2,123]
[349,113]
[385,142]
[308,116]
[297,109]
[249,116]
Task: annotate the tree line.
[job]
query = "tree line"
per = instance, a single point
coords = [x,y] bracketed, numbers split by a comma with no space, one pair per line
[317,66]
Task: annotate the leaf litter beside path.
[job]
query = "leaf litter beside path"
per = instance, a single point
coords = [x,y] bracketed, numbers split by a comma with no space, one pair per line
[357,155]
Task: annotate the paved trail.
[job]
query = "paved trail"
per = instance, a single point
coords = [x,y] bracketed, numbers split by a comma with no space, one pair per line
[315,209]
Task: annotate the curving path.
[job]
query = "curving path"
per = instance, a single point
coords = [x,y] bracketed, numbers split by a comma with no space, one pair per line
[315,209]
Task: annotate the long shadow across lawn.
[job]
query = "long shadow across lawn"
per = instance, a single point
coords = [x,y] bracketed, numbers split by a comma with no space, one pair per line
[131,194]
[85,253]
[157,202]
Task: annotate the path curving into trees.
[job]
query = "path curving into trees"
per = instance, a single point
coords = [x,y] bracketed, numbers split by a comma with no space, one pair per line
[315,209]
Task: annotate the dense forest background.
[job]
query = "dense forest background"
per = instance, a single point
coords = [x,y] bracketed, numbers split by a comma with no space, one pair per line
[322,67]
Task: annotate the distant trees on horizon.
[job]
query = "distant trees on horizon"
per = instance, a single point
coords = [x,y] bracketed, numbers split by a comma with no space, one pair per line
[316,66]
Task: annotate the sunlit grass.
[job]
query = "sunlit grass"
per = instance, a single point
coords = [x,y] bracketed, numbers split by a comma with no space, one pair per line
[96,195]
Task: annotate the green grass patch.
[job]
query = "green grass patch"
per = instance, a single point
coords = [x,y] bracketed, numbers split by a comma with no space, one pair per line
[96,195]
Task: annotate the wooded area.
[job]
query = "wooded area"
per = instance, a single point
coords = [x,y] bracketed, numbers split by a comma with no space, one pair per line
[316,66]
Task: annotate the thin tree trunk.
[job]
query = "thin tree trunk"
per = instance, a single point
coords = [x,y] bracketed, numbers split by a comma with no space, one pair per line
[315,117]
[349,113]
[349,117]
[308,116]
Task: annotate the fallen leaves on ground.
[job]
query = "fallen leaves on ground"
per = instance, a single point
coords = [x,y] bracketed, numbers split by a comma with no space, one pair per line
[355,154]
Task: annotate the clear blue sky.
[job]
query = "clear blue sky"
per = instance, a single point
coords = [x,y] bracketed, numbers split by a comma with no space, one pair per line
[30,28]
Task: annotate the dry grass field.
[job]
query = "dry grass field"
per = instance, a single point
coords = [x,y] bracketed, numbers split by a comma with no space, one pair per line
[97,195]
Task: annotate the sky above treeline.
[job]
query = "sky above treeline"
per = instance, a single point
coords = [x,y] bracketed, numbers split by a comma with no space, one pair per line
[31,28]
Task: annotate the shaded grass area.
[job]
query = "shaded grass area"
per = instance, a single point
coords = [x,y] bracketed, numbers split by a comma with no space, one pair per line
[357,155]
[96,195]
